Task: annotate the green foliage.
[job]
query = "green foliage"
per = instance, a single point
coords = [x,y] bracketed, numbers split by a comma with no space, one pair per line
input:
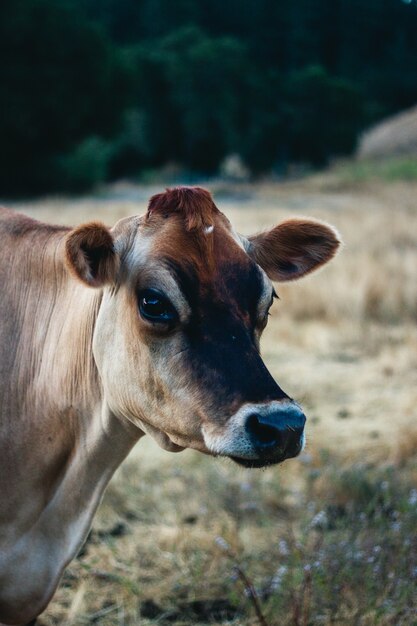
[323,113]
[86,166]
[61,81]
[389,169]
[192,81]
[205,76]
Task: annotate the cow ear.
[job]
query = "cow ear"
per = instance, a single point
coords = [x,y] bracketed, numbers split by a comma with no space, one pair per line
[90,254]
[293,248]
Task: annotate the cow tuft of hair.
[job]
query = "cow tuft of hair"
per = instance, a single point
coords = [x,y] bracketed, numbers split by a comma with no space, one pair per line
[195,204]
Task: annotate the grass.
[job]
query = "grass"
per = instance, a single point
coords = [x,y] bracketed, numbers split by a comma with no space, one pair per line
[328,539]
[388,169]
[343,552]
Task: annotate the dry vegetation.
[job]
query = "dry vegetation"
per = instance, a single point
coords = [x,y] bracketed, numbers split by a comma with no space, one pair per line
[395,135]
[326,539]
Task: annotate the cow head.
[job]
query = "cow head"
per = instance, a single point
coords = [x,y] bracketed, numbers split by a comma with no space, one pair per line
[184,302]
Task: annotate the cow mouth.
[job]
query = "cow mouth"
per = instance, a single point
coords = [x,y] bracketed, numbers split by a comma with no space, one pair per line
[256,463]
[267,461]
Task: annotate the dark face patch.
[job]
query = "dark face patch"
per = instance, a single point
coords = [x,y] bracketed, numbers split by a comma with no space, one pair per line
[219,340]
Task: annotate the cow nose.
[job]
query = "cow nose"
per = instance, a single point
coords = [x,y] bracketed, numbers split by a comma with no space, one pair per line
[277,432]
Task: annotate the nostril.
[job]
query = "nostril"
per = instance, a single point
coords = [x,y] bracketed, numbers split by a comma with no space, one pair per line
[278,430]
[262,435]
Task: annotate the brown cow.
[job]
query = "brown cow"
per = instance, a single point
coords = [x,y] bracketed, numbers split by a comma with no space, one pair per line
[151,327]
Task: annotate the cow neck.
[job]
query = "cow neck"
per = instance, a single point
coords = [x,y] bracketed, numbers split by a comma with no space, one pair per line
[64,401]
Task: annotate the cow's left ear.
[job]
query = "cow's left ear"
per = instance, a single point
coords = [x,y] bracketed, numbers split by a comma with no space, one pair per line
[90,254]
[293,248]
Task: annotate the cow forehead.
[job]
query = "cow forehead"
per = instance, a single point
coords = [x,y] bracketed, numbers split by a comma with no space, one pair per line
[209,260]
[208,263]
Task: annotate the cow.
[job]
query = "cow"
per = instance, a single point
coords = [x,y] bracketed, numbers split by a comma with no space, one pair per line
[150,327]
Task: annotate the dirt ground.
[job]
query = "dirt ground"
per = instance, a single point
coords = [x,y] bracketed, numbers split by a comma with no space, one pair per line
[342,342]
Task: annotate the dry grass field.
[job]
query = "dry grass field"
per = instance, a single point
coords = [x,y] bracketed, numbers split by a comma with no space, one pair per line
[329,538]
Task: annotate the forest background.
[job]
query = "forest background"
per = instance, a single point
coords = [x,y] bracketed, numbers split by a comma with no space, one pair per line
[96,90]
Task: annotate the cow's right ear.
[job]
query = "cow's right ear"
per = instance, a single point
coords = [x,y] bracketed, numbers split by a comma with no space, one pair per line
[90,254]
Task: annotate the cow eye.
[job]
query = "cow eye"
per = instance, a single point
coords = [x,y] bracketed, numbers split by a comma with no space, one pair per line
[155,307]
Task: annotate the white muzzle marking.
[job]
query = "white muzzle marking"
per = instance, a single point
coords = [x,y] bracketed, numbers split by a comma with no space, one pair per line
[233,439]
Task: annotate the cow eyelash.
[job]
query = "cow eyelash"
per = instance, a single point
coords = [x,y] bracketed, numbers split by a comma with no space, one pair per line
[273,297]
[267,313]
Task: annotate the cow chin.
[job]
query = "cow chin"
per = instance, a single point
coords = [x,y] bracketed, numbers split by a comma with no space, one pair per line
[161,438]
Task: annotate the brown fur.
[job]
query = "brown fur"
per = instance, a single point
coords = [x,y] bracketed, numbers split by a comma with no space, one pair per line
[18,225]
[193,203]
[293,248]
[49,389]
[184,213]
[90,254]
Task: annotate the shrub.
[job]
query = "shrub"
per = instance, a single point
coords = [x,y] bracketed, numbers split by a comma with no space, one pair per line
[86,166]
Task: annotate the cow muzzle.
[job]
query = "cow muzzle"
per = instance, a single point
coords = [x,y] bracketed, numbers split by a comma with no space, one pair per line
[276,435]
[261,435]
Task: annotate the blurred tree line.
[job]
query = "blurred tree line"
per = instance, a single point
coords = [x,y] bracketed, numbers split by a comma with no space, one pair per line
[92,90]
